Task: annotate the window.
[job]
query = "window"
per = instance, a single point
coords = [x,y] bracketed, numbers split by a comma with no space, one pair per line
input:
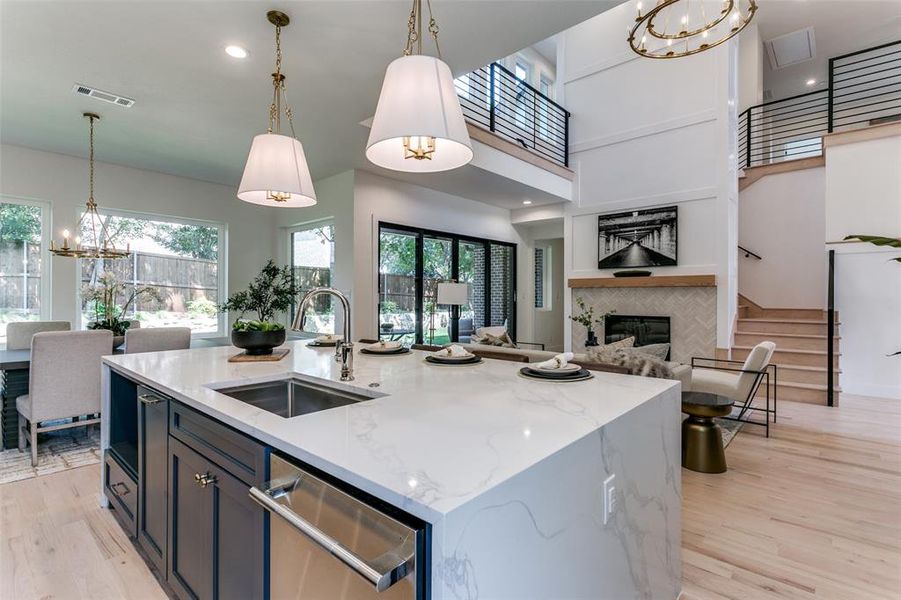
[413,261]
[313,262]
[546,86]
[523,70]
[182,260]
[462,85]
[24,284]
[542,275]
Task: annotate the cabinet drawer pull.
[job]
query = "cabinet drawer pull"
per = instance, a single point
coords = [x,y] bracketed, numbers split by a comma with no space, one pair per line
[117,491]
[205,479]
[149,399]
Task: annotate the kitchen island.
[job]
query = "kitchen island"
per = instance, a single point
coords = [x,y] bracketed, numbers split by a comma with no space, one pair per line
[530,489]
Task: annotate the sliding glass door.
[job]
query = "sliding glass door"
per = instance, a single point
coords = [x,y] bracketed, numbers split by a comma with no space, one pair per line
[413,261]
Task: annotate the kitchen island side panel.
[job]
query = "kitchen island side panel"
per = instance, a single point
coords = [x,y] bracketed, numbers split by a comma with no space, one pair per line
[542,535]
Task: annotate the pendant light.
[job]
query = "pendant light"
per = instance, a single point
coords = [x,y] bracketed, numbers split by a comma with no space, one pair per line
[276,172]
[90,222]
[418,125]
[677,28]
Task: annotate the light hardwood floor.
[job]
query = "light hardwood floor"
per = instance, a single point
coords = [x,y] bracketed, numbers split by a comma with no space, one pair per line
[813,512]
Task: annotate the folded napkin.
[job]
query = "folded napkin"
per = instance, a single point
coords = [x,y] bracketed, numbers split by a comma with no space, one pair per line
[383,345]
[558,362]
[453,350]
[329,337]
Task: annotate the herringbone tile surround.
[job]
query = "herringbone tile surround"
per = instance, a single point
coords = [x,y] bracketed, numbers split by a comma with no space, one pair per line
[692,313]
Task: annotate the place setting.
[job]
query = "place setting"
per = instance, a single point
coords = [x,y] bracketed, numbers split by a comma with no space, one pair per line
[385,348]
[327,340]
[452,356]
[557,369]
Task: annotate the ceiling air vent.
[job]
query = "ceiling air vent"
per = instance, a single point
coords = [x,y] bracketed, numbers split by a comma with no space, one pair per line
[791,48]
[84,90]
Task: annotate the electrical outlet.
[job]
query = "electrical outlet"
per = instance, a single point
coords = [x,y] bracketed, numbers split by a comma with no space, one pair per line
[609,497]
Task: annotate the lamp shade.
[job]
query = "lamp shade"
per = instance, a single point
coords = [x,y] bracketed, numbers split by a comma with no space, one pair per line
[277,168]
[453,293]
[418,99]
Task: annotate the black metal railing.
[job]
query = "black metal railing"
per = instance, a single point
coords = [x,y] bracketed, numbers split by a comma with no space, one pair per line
[496,99]
[830,332]
[864,89]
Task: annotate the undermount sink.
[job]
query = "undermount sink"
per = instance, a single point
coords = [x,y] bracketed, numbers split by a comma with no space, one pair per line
[291,397]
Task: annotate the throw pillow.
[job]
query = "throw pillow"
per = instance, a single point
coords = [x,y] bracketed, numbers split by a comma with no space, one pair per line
[603,354]
[643,365]
[658,351]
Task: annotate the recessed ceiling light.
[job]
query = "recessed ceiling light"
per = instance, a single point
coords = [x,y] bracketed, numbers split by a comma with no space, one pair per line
[527,202]
[236,51]
[811,82]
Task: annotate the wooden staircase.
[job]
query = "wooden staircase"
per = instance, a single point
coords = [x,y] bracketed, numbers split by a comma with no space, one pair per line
[801,355]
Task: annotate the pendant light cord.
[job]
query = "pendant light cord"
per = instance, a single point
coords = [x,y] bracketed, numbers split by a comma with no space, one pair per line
[278,90]
[414,29]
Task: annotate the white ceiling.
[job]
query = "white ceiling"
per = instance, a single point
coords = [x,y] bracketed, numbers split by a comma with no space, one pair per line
[840,27]
[196,108]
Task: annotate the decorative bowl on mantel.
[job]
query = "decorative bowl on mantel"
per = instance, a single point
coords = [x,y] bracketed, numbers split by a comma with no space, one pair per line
[632,273]
[256,343]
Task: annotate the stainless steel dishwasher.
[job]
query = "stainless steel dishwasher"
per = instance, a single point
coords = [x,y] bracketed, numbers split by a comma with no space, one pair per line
[325,544]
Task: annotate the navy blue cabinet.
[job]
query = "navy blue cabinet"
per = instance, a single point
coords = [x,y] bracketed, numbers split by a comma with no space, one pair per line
[153,439]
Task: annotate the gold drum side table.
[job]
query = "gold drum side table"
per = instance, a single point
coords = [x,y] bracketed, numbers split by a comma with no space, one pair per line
[702,438]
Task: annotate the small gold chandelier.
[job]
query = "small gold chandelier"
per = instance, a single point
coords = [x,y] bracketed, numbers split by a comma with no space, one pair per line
[104,248]
[676,28]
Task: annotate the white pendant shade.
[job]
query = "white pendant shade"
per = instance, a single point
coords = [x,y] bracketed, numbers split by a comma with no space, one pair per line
[418,99]
[275,168]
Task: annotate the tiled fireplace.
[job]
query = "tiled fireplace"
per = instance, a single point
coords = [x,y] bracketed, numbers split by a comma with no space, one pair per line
[690,308]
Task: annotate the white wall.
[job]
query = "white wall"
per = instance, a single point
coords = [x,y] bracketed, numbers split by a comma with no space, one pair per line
[750,68]
[782,218]
[648,133]
[863,196]
[62,181]
[379,199]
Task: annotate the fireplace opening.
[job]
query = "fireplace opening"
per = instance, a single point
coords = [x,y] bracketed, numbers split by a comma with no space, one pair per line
[647,330]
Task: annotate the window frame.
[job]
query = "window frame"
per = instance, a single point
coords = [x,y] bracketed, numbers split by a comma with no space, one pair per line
[307,226]
[46,291]
[546,277]
[222,318]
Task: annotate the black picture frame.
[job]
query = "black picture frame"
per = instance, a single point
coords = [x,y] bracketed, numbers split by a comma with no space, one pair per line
[638,238]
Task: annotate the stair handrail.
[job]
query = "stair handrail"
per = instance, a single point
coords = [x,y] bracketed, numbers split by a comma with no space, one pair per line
[748,253]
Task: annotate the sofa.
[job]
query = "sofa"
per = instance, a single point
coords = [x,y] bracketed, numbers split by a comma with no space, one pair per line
[680,372]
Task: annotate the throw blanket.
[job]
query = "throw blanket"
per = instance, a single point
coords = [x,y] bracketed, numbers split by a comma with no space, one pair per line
[643,365]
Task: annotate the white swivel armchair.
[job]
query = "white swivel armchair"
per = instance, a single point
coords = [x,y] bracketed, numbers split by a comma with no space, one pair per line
[19,333]
[157,339]
[64,383]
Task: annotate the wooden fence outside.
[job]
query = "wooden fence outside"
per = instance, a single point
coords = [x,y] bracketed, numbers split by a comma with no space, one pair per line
[20,288]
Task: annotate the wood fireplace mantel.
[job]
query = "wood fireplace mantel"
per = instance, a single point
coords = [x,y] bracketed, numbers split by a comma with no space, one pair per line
[640,282]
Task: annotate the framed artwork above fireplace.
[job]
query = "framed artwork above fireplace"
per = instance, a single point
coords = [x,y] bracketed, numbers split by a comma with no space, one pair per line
[638,238]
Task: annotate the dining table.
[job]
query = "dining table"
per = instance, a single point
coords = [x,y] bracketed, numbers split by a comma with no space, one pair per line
[15,366]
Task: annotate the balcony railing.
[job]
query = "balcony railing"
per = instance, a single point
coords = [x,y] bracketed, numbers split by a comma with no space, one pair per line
[864,89]
[496,99]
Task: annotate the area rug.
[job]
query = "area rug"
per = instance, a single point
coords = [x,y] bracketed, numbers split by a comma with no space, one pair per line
[57,451]
[730,430]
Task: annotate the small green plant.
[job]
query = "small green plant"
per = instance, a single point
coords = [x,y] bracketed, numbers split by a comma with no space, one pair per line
[270,292]
[586,317]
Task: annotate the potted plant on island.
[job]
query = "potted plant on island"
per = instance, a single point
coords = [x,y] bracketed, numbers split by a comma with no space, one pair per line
[271,292]
[107,313]
[587,318]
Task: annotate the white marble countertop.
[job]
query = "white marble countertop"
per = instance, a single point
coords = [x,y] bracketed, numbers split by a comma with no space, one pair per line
[437,438]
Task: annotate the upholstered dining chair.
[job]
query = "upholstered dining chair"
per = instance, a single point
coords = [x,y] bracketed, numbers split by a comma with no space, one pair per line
[64,383]
[19,333]
[157,339]
[740,384]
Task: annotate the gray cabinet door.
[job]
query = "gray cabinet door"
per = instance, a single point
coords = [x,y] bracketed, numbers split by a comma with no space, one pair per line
[190,569]
[153,486]
[216,546]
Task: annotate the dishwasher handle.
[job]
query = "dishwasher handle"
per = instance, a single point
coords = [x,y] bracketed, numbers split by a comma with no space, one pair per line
[382,572]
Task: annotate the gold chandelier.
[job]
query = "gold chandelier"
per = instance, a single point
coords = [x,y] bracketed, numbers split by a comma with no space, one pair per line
[104,248]
[676,28]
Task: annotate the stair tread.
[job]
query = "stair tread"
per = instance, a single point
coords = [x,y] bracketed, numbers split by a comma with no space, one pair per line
[780,349]
[789,335]
[807,386]
[807,368]
[787,321]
